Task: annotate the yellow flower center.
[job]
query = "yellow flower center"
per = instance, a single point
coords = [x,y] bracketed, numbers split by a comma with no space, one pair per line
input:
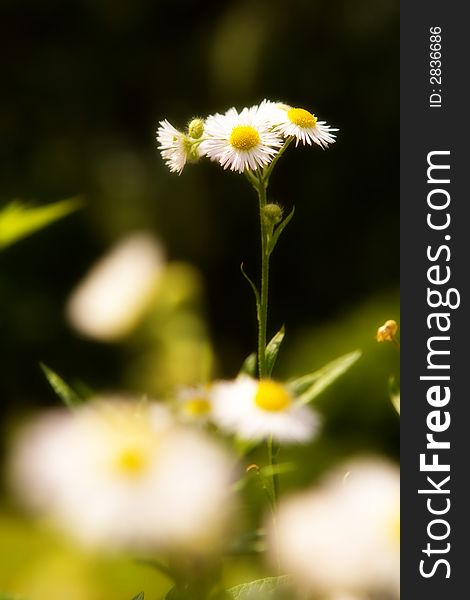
[197,406]
[131,461]
[301,117]
[272,396]
[244,137]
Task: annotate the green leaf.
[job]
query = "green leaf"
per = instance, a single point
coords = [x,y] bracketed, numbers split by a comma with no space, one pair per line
[279,229]
[278,469]
[272,350]
[394,393]
[4,596]
[139,596]
[18,220]
[270,588]
[254,288]
[249,365]
[68,396]
[309,386]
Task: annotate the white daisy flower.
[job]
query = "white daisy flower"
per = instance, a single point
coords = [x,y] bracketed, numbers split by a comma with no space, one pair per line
[343,537]
[113,296]
[300,124]
[122,475]
[176,148]
[255,410]
[240,141]
[193,404]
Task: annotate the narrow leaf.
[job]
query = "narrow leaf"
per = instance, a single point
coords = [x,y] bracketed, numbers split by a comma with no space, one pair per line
[278,469]
[139,596]
[279,229]
[272,349]
[253,287]
[68,396]
[249,365]
[17,220]
[270,588]
[310,386]
[394,393]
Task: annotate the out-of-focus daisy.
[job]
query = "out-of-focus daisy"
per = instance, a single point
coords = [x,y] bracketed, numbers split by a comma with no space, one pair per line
[240,141]
[194,405]
[343,537]
[112,297]
[299,123]
[255,410]
[122,475]
[176,147]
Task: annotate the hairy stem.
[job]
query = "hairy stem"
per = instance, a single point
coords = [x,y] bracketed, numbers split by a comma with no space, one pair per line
[263,308]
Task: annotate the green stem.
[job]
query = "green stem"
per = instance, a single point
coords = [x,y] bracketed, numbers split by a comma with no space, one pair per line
[263,320]
[263,308]
[272,456]
[260,181]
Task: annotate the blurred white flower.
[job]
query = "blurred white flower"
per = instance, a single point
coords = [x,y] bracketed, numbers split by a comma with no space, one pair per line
[193,404]
[343,537]
[122,475]
[112,297]
[300,124]
[254,409]
[240,141]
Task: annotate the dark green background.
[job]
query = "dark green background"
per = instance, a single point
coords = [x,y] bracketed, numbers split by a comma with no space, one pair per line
[84,85]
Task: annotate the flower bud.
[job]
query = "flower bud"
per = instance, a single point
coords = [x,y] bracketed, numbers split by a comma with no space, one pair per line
[272,214]
[387,332]
[196,128]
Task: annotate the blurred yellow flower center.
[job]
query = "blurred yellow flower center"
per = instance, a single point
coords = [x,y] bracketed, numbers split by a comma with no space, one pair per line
[197,406]
[131,461]
[301,117]
[272,396]
[244,137]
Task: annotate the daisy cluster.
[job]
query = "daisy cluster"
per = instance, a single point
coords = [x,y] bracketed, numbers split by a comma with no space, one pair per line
[245,140]
[119,473]
[250,409]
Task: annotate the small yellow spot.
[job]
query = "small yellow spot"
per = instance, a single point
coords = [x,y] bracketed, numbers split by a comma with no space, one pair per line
[131,461]
[387,332]
[197,406]
[301,117]
[393,527]
[244,137]
[272,396]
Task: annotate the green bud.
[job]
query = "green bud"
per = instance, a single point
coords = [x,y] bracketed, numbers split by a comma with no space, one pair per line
[196,128]
[191,149]
[272,214]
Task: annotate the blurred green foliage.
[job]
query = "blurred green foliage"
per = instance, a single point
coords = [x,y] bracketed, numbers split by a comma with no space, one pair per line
[17,220]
